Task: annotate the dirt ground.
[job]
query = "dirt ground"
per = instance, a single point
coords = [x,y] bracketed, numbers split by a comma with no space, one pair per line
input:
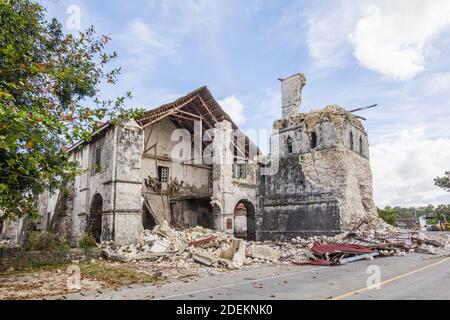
[47,281]
[29,285]
[56,280]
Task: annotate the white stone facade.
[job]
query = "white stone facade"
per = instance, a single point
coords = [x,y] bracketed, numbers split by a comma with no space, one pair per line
[134,177]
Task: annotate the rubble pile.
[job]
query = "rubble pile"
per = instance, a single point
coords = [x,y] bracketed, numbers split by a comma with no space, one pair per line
[378,238]
[199,249]
[377,234]
[193,249]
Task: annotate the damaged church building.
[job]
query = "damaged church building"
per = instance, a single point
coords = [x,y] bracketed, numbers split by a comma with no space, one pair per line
[185,162]
[317,178]
[188,163]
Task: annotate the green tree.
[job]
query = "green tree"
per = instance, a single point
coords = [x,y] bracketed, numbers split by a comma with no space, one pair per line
[49,100]
[389,215]
[443,182]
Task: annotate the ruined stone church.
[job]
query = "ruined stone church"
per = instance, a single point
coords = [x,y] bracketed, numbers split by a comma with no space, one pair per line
[318,178]
[188,163]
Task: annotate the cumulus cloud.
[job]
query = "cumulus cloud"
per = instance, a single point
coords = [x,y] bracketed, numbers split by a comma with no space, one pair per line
[404,168]
[235,109]
[393,38]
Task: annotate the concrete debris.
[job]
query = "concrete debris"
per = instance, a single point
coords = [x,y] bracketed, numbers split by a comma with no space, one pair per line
[158,246]
[205,259]
[235,254]
[262,252]
[198,250]
[375,234]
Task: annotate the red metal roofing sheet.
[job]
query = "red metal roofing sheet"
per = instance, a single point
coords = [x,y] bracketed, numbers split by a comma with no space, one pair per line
[322,249]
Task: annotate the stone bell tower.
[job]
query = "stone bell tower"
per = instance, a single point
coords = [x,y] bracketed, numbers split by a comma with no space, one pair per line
[322,181]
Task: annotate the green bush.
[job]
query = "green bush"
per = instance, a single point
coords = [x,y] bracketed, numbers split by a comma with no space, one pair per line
[87,242]
[44,241]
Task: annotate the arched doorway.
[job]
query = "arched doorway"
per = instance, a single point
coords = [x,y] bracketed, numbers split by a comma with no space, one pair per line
[244,220]
[148,222]
[94,219]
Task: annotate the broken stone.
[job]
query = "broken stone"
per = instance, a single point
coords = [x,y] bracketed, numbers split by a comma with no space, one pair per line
[110,255]
[235,253]
[159,246]
[205,259]
[262,252]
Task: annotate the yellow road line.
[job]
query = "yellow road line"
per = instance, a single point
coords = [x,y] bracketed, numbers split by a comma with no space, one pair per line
[348,294]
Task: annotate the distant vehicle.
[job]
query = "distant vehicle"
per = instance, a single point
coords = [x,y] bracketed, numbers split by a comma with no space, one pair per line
[432,227]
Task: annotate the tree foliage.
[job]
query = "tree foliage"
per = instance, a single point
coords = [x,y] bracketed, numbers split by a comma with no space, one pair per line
[389,215]
[443,182]
[49,100]
[430,211]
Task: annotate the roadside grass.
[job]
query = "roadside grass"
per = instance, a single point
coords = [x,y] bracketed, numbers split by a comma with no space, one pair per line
[112,275]
[116,275]
[36,268]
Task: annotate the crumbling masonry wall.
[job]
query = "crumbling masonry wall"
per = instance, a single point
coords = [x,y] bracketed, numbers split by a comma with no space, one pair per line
[227,191]
[116,181]
[348,176]
[290,205]
[324,180]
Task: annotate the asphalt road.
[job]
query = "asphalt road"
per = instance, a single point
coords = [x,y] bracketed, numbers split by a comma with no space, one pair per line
[415,276]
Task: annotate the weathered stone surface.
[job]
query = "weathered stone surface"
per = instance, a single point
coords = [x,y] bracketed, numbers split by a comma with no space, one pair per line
[262,252]
[228,191]
[205,259]
[291,206]
[126,189]
[235,254]
[322,179]
[159,246]
[348,176]
[291,92]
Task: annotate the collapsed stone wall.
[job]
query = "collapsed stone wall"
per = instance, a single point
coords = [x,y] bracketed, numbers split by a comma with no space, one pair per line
[345,174]
[291,205]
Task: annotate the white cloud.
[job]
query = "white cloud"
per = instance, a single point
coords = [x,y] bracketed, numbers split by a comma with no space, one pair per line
[404,168]
[393,38]
[235,109]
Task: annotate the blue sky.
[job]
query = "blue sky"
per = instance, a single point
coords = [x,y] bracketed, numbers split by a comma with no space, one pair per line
[354,53]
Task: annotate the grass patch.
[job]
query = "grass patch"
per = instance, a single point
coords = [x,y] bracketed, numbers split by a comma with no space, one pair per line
[115,275]
[44,241]
[87,242]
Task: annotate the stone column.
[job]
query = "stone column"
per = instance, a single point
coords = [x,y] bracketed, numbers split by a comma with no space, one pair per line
[222,173]
[126,184]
